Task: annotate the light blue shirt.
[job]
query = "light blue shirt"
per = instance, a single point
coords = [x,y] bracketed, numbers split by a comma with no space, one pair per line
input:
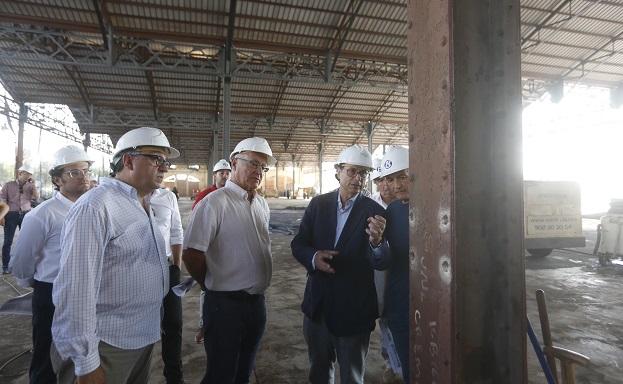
[343,211]
[113,276]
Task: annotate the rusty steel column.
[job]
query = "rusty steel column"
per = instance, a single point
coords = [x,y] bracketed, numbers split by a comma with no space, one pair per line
[467,300]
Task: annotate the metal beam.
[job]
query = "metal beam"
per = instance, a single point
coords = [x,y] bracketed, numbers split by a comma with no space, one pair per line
[78,48]
[342,31]
[152,93]
[74,74]
[467,274]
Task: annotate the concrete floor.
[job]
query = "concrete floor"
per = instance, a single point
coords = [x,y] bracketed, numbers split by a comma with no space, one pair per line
[585,306]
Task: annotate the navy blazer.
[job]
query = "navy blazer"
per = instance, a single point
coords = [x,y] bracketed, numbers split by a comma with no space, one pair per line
[346,299]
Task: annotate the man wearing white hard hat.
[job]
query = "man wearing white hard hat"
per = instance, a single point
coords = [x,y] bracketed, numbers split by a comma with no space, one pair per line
[36,255]
[393,254]
[114,272]
[334,245]
[227,251]
[18,194]
[220,174]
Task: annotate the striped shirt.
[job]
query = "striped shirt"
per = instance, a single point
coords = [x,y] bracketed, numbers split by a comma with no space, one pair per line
[18,197]
[113,276]
[37,251]
[233,234]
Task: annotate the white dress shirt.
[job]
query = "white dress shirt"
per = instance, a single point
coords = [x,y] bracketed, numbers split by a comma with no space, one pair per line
[36,254]
[167,217]
[233,234]
[377,197]
[113,276]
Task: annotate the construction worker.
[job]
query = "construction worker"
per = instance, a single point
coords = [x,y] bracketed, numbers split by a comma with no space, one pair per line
[227,251]
[167,217]
[220,174]
[37,252]
[333,244]
[114,272]
[394,253]
[19,195]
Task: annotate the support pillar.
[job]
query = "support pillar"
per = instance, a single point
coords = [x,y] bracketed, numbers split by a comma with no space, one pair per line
[277,178]
[19,156]
[467,297]
[320,158]
[226,115]
[293,180]
[369,131]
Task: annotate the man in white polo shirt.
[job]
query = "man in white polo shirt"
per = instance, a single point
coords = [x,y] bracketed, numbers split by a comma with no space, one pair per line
[227,250]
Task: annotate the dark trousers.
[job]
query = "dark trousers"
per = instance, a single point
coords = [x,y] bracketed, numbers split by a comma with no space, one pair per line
[42,314]
[12,220]
[233,324]
[323,349]
[172,331]
[399,327]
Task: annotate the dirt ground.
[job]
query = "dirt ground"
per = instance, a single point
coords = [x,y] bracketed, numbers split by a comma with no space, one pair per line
[584,300]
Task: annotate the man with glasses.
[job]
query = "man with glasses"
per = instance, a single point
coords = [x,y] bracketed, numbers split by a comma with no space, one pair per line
[36,256]
[114,273]
[19,195]
[334,245]
[227,251]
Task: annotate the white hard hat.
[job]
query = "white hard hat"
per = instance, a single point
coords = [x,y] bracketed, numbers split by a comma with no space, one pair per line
[26,168]
[222,164]
[355,155]
[254,144]
[376,172]
[396,159]
[69,154]
[145,136]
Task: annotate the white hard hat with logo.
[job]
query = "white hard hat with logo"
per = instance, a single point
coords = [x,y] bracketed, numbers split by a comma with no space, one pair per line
[67,155]
[222,164]
[396,159]
[25,168]
[145,136]
[254,144]
[376,172]
[355,155]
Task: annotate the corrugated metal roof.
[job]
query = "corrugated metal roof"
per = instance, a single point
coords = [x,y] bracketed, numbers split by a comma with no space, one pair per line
[579,41]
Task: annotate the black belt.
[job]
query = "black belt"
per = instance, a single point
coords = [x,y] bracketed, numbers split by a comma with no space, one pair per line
[236,295]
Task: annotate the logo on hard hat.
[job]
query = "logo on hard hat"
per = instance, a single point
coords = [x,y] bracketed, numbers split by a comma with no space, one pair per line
[387,164]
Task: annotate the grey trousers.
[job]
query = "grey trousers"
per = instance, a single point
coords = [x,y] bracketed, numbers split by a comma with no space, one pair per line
[129,366]
[324,348]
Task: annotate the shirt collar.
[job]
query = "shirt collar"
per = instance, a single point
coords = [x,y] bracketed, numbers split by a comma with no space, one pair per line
[124,187]
[65,201]
[349,202]
[237,189]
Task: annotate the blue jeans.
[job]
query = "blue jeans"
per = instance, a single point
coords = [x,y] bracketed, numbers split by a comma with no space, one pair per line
[233,325]
[12,220]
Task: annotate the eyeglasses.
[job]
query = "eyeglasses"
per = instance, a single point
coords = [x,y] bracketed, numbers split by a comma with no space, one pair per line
[75,173]
[255,164]
[159,160]
[351,172]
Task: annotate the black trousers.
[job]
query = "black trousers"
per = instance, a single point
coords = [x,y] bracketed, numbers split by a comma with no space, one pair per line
[42,315]
[233,324]
[12,220]
[172,331]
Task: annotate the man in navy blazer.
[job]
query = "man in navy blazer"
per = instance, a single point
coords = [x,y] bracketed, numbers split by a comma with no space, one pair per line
[334,244]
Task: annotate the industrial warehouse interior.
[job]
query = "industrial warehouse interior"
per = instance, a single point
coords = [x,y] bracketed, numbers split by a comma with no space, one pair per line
[511,112]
